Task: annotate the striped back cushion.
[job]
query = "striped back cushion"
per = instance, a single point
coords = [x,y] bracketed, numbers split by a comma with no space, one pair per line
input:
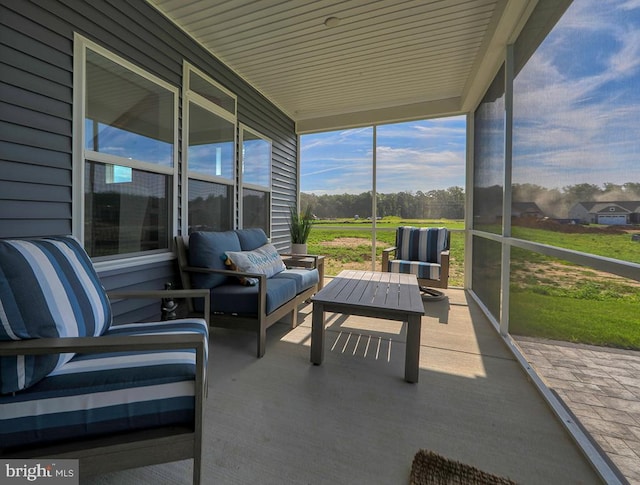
[421,243]
[48,288]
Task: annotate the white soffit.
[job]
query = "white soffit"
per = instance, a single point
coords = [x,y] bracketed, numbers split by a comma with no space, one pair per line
[385,60]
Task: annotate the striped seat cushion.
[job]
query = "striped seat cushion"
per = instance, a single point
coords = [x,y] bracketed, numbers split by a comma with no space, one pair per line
[48,288]
[429,271]
[97,394]
[421,243]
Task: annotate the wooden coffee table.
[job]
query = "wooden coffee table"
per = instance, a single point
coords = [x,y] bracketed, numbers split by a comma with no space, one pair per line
[390,296]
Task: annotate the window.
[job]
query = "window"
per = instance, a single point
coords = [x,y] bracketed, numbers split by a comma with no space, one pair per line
[576,148]
[125,155]
[209,152]
[255,154]
[415,172]
[488,172]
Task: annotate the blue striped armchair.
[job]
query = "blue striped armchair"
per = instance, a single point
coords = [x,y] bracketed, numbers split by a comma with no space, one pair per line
[423,251]
[75,386]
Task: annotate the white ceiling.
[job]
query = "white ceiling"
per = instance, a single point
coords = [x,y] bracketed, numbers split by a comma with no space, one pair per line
[386,60]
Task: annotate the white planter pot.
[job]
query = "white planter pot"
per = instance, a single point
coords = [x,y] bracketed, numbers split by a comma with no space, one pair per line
[298,248]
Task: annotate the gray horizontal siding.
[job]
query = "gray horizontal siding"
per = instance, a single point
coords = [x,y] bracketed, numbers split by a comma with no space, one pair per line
[36,90]
[150,276]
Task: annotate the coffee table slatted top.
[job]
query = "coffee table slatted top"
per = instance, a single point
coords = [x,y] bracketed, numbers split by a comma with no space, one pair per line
[374,290]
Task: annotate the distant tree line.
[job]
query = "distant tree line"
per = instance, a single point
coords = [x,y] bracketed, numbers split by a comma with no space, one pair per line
[449,203]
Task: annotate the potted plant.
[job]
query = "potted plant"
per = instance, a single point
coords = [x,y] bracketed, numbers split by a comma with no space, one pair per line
[300,227]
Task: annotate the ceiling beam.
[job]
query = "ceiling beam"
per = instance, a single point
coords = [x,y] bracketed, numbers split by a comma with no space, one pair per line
[507,22]
[394,114]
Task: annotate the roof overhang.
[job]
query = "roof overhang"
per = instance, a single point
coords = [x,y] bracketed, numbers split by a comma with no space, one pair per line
[379,62]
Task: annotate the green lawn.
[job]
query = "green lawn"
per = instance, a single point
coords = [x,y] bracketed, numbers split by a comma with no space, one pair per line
[346,243]
[610,323]
[550,298]
[618,246]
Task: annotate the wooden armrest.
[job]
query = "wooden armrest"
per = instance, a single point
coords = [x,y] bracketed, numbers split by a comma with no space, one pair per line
[103,344]
[227,272]
[114,343]
[190,293]
[293,257]
[123,294]
[385,257]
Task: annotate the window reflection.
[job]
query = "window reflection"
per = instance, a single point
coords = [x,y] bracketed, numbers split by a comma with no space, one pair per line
[255,209]
[127,115]
[210,91]
[210,206]
[488,172]
[127,213]
[211,143]
[256,160]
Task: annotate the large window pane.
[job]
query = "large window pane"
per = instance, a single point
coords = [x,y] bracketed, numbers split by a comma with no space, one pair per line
[420,181]
[487,257]
[210,91]
[576,142]
[127,115]
[488,172]
[210,206]
[256,207]
[336,179]
[420,169]
[126,210]
[256,160]
[211,143]
[554,299]
[420,178]
[579,329]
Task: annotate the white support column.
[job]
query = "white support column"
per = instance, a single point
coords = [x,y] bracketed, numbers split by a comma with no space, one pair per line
[468,211]
[507,192]
[374,199]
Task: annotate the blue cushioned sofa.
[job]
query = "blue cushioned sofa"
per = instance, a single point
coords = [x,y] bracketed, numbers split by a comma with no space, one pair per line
[75,386]
[202,261]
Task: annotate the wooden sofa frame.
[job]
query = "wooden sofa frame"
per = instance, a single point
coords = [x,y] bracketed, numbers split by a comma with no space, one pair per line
[258,322]
[129,449]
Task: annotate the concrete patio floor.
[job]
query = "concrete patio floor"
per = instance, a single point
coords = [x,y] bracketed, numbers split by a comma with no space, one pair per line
[354,420]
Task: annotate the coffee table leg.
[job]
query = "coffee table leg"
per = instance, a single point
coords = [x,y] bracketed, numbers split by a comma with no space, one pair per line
[412,355]
[317,334]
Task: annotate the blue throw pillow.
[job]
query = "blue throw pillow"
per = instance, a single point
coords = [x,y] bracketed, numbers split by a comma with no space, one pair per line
[206,250]
[264,260]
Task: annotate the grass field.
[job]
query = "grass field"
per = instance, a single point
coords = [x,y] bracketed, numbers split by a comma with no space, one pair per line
[618,246]
[553,299]
[347,243]
[549,298]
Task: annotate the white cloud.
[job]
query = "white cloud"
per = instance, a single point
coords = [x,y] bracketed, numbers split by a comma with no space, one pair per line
[574,122]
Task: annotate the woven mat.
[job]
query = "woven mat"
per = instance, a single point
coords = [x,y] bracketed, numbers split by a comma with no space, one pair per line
[429,468]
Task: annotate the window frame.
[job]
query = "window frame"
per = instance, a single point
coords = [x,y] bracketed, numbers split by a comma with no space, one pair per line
[80,155]
[256,187]
[189,97]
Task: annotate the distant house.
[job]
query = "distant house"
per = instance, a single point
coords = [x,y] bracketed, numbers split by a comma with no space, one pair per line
[526,209]
[611,213]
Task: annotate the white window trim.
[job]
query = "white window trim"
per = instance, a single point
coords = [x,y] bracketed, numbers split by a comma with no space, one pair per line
[187,68]
[189,97]
[80,154]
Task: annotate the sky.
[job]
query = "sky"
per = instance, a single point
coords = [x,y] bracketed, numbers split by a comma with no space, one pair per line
[576,119]
[577,100]
[418,155]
